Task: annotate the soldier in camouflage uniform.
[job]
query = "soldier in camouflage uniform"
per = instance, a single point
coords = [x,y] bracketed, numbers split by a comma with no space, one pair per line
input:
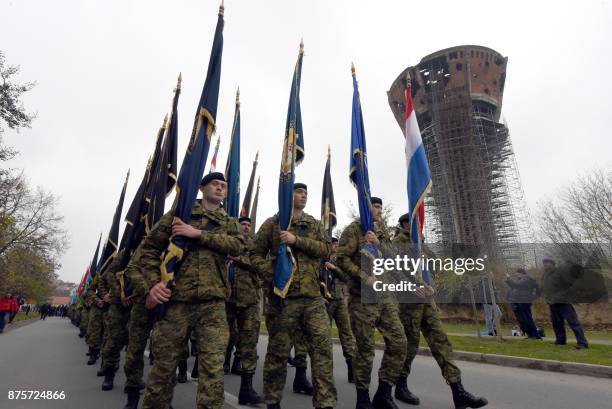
[139,327]
[95,325]
[419,314]
[303,304]
[116,322]
[197,299]
[83,314]
[366,317]
[337,308]
[243,311]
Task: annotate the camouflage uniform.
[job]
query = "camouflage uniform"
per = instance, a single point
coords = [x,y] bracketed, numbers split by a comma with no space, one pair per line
[424,317]
[83,317]
[95,325]
[303,306]
[300,347]
[337,309]
[367,317]
[243,309]
[116,317]
[197,301]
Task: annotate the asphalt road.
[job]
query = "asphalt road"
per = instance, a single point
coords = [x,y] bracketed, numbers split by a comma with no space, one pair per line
[49,356]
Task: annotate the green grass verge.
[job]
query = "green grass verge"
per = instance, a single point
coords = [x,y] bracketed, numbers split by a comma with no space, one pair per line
[596,354]
[507,328]
[21,316]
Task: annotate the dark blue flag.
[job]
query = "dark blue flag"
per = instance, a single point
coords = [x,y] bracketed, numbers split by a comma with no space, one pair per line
[232,167]
[192,168]
[246,202]
[163,167]
[359,168]
[110,247]
[293,153]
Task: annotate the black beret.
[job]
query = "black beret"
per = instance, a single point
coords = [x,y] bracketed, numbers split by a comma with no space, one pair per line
[404,218]
[334,240]
[244,219]
[212,176]
[300,186]
[376,200]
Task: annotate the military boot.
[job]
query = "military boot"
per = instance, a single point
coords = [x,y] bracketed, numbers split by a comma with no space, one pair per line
[403,394]
[109,378]
[93,356]
[195,372]
[301,384]
[383,399]
[236,367]
[100,371]
[247,395]
[182,371]
[349,368]
[363,399]
[273,406]
[133,398]
[140,387]
[463,399]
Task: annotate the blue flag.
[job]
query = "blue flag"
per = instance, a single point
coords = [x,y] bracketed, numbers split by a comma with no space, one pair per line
[192,168]
[232,168]
[359,168]
[110,247]
[293,154]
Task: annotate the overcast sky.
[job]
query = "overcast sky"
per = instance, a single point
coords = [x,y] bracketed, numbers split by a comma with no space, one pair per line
[105,71]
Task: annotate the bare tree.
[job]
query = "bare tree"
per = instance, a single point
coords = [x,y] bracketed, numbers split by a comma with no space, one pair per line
[583,213]
[12,111]
[581,220]
[29,219]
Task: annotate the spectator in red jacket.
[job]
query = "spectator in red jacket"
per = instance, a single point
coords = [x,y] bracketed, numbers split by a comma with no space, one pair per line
[14,308]
[7,306]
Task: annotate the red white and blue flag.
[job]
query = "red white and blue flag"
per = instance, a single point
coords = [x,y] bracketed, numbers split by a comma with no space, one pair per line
[419,176]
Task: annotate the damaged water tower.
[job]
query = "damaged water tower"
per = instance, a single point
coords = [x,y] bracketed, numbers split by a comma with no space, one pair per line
[477,197]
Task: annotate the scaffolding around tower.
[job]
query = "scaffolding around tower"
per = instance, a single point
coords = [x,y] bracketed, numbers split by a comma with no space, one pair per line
[476,197]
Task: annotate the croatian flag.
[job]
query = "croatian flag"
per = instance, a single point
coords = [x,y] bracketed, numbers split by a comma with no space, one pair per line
[419,176]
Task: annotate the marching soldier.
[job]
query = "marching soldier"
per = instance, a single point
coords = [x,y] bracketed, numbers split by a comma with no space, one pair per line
[139,327]
[366,317]
[116,323]
[197,299]
[337,308]
[95,327]
[303,304]
[243,311]
[421,315]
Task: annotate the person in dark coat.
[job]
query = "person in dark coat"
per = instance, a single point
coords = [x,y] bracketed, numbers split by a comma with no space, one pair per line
[523,290]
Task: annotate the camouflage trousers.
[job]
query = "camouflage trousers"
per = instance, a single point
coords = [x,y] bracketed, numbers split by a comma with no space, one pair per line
[83,319]
[232,325]
[247,322]
[417,318]
[139,326]
[337,309]
[171,335]
[282,321]
[95,327]
[365,318]
[115,335]
[298,342]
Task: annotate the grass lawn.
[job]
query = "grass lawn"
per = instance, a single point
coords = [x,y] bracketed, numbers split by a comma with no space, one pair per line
[506,328]
[21,316]
[596,354]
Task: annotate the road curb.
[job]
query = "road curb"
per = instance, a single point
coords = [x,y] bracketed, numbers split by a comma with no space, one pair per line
[574,368]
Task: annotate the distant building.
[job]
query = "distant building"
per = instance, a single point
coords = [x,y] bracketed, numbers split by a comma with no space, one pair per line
[477,197]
